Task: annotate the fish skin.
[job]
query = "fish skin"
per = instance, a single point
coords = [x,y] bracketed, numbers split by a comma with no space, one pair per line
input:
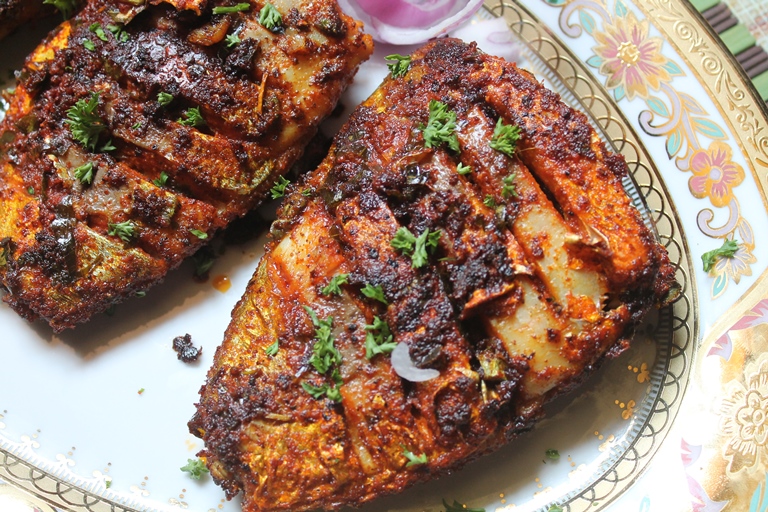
[488,311]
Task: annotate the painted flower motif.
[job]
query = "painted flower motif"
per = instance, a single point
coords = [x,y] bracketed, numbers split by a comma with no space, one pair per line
[714,174]
[744,420]
[737,266]
[630,59]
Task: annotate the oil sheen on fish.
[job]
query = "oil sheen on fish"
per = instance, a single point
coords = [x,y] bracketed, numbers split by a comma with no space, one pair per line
[138,129]
[465,253]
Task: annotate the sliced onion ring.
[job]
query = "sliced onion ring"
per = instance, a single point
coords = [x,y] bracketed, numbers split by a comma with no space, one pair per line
[410,21]
[404,367]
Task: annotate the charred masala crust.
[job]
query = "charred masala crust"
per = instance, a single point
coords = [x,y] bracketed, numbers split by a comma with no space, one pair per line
[64,265]
[267,438]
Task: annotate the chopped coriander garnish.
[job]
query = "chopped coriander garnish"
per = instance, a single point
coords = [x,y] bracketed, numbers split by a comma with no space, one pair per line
[333,287]
[136,125]
[88,45]
[84,123]
[458,507]
[164,99]
[270,18]
[505,137]
[441,126]
[196,468]
[728,250]
[140,294]
[463,169]
[324,354]
[84,173]
[161,180]
[413,459]
[125,230]
[65,7]
[272,349]
[241,7]
[203,259]
[31,191]
[552,454]
[108,483]
[107,146]
[318,392]
[489,201]
[508,190]
[141,391]
[120,34]
[374,292]
[96,29]
[416,247]
[202,235]
[378,339]
[192,117]
[232,40]
[306,192]
[278,190]
[400,65]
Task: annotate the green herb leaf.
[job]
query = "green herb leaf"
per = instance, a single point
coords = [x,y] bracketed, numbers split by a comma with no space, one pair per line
[489,201]
[120,34]
[107,146]
[196,468]
[84,124]
[140,294]
[463,169]
[324,354]
[318,392]
[552,454]
[441,126]
[505,137]
[400,65]
[65,7]
[508,190]
[165,99]
[270,18]
[333,287]
[84,173]
[96,29]
[88,45]
[203,260]
[272,349]
[136,125]
[378,339]
[278,190]
[375,293]
[202,235]
[241,7]
[232,40]
[125,230]
[555,508]
[416,247]
[728,250]
[458,507]
[108,483]
[31,191]
[161,180]
[192,117]
[413,459]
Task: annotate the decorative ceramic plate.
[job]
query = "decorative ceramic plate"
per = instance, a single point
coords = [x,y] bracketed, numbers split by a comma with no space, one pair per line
[95,419]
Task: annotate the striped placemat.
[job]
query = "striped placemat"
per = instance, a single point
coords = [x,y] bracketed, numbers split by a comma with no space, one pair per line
[743,27]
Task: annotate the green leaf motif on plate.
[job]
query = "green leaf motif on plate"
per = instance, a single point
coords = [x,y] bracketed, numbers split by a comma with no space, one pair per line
[587,21]
[618,93]
[759,501]
[674,143]
[719,285]
[621,9]
[556,2]
[595,61]
[658,106]
[673,68]
[708,128]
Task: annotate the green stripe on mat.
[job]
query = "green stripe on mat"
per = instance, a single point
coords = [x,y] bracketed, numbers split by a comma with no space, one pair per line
[761,84]
[738,39]
[703,5]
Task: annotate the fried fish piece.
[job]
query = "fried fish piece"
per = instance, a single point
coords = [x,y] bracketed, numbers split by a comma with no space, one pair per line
[465,253]
[137,130]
